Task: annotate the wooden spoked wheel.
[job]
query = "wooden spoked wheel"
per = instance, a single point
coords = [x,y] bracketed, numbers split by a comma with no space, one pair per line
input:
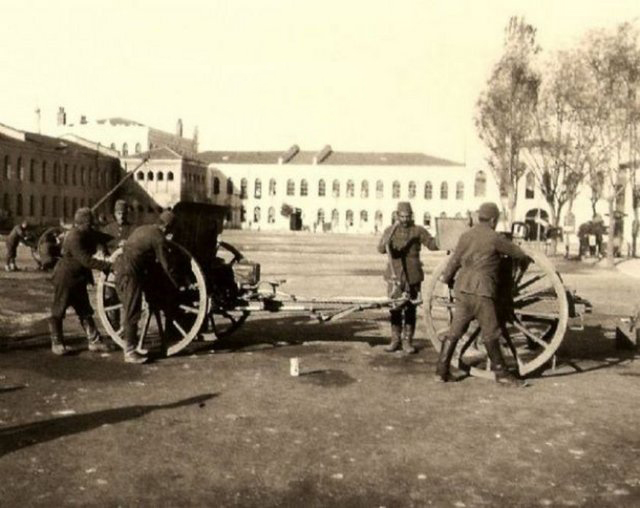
[46,250]
[533,311]
[224,316]
[171,317]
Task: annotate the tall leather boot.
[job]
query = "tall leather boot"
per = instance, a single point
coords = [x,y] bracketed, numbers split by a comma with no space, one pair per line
[396,334]
[447,349]
[57,341]
[407,339]
[503,376]
[96,343]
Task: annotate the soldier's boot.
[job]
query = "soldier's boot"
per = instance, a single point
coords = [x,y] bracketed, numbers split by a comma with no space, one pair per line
[503,376]
[96,343]
[407,339]
[57,341]
[130,353]
[396,334]
[444,360]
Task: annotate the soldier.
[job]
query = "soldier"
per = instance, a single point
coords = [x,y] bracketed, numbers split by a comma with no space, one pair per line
[145,246]
[18,234]
[70,278]
[477,257]
[402,242]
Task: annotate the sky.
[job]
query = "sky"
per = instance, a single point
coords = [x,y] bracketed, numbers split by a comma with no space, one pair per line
[371,75]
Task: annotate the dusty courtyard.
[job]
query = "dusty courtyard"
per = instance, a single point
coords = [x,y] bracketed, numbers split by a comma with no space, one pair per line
[229,426]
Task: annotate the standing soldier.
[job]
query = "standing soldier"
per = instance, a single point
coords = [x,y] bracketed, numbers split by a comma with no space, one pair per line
[18,234]
[402,241]
[477,257]
[144,247]
[70,278]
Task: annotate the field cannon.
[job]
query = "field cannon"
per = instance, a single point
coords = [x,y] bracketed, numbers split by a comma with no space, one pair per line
[535,310]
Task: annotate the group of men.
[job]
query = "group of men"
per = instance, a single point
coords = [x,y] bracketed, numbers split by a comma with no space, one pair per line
[472,272]
[141,247]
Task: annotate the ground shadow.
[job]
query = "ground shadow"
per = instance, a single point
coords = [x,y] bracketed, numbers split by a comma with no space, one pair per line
[586,351]
[29,434]
[7,389]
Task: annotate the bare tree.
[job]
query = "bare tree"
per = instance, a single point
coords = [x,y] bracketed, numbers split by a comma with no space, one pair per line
[504,110]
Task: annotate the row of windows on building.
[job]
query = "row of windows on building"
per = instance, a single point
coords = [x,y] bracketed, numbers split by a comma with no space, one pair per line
[335,216]
[125,148]
[59,174]
[43,206]
[159,176]
[479,190]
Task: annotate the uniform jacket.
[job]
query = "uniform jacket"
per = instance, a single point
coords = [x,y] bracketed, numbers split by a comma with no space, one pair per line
[118,233]
[77,260]
[145,245]
[477,256]
[405,252]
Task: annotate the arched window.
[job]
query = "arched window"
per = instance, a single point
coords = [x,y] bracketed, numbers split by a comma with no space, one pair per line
[257,188]
[160,176]
[335,218]
[74,205]
[443,215]
[125,149]
[444,190]
[150,176]
[229,186]
[74,175]
[138,149]
[243,188]
[54,206]
[82,182]
[529,192]
[412,189]
[460,190]
[320,219]
[480,185]
[256,214]
[458,215]
[112,146]
[394,217]
[7,167]
[19,204]
[216,185]
[32,171]
[65,207]
[349,218]
[272,187]
[272,215]
[378,219]
[304,188]
[44,171]
[379,189]
[43,206]
[291,187]
[428,190]
[322,188]
[55,172]
[395,191]
[364,217]
[20,169]
[350,188]
[243,214]
[426,220]
[364,189]
[139,175]
[336,189]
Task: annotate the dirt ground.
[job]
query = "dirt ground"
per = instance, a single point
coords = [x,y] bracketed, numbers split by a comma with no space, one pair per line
[230,427]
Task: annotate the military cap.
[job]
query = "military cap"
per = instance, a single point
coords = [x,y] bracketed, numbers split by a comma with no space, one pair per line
[488,211]
[120,206]
[166,218]
[404,207]
[83,217]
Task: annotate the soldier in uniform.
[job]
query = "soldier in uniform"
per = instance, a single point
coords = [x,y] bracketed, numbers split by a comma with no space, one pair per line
[18,234]
[70,278]
[144,247]
[402,242]
[476,259]
[118,231]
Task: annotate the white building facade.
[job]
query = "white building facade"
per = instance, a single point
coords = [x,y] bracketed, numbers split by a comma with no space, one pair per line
[346,192]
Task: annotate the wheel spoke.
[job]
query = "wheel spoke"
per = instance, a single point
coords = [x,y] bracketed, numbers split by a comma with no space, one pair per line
[548,316]
[539,293]
[109,284]
[530,281]
[179,328]
[187,308]
[530,335]
[113,307]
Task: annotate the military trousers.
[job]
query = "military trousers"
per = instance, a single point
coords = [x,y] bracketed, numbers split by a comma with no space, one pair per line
[407,313]
[469,307]
[129,289]
[70,295]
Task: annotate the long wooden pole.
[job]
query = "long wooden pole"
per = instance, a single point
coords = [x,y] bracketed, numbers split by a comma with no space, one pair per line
[119,184]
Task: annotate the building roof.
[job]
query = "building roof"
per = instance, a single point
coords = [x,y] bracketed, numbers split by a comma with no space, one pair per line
[332,159]
[163,153]
[118,120]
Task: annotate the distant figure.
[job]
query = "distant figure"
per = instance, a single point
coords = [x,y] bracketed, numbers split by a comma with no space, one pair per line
[70,278]
[402,242]
[17,235]
[476,259]
[50,250]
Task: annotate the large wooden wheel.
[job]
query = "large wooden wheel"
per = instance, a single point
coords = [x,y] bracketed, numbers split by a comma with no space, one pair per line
[47,249]
[533,309]
[170,317]
[224,316]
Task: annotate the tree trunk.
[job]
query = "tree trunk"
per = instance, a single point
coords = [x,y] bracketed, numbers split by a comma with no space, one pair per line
[610,234]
